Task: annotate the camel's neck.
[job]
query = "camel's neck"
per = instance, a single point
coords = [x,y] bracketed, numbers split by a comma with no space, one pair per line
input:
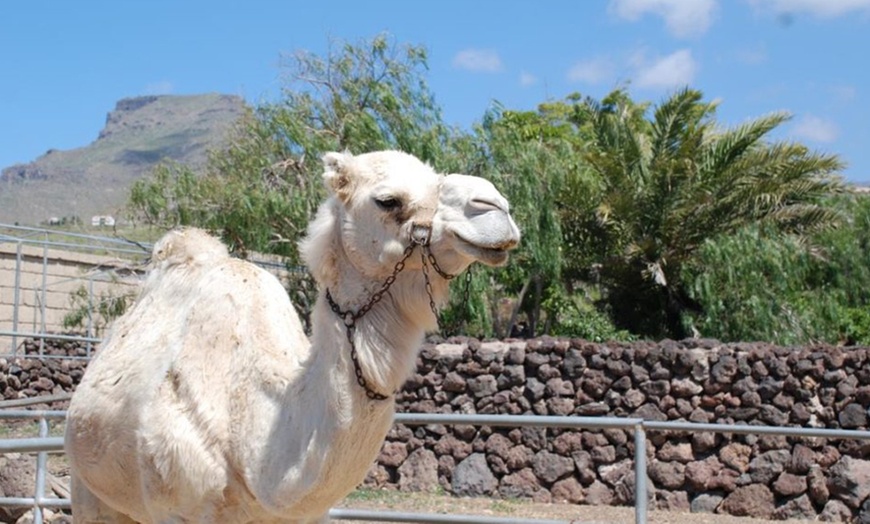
[386,338]
[342,427]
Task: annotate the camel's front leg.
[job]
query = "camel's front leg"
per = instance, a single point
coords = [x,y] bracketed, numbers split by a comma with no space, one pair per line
[88,509]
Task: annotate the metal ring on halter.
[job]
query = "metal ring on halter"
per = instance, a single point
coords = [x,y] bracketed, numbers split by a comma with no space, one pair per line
[421,234]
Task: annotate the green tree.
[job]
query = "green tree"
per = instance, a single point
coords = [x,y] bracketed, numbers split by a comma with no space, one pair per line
[757,285]
[259,193]
[536,159]
[92,314]
[527,156]
[760,284]
[669,182]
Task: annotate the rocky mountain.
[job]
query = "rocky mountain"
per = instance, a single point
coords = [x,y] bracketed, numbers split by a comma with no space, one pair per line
[95,180]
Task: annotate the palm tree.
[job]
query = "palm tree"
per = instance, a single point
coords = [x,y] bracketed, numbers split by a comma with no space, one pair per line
[668,183]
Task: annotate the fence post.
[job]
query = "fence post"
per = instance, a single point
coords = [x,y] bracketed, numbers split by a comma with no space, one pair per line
[44,296]
[640,487]
[90,314]
[41,465]
[16,299]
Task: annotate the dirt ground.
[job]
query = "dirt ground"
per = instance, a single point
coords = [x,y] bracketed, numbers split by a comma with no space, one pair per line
[391,501]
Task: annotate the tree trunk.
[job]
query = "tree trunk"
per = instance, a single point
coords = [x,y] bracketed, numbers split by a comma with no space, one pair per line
[536,307]
[516,310]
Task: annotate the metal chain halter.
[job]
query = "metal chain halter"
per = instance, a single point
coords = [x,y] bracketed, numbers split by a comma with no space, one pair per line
[350,318]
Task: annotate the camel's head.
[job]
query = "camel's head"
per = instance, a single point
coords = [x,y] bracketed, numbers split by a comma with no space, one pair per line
[379,201]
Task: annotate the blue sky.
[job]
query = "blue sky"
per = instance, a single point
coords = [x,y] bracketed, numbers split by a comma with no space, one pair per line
[65,64]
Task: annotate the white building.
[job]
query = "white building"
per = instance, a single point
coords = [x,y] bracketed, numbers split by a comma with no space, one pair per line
[103,220]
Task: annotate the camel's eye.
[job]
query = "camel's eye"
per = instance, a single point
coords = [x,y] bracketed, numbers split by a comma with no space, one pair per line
[388,203]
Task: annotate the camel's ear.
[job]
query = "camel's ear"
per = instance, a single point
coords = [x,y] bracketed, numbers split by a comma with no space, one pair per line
[337,174]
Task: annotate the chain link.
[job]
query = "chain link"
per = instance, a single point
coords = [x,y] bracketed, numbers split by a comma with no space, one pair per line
[429,290]
[350,318]
[445,275]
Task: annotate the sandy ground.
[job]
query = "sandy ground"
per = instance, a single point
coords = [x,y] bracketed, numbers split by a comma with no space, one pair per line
[389,501]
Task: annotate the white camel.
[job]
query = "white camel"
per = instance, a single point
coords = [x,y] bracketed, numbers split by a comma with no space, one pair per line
[207,402]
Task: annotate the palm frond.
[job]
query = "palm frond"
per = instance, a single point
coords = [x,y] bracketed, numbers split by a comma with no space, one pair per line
[672,118]
[726,148]
[804,218]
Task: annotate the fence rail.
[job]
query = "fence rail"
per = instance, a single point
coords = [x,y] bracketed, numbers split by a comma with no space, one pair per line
[41,268]
[41,445]
[45,444]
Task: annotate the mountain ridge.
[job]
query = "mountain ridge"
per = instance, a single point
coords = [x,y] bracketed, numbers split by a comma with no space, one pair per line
[140,132]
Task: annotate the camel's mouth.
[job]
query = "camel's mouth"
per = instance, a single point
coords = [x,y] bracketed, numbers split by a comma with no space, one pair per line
[489,254]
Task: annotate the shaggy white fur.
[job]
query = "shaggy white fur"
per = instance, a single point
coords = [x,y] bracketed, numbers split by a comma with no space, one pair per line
[207,402]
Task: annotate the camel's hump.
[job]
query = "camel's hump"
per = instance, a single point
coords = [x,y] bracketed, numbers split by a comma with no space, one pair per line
[182,246]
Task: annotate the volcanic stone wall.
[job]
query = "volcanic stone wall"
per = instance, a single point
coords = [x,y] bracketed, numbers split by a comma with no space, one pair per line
[30,375]
[691,380]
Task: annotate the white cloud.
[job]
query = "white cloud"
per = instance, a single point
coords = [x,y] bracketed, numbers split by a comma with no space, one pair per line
[821,8]
[675,70]
[844,93]
[478,60]
[528,79]
[816,129]
[594,71]
[683,18]
[162,87]
[752,55]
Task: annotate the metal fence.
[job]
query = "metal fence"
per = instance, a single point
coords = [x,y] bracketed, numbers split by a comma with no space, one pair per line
[134,255]
[41,445]
[41,270]
[44,444]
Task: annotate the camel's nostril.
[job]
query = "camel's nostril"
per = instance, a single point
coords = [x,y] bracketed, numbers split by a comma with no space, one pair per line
[485,205]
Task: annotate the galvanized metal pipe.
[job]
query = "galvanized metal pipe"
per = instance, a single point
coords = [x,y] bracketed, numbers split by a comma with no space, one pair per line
[90,327]
[29,401]
[360,514]
[48,502]
[84,247]
[16,298]
[41,463]
[31,445]
[37,301]
[622,423]
[44,298]
[747,429]
[52,336]
[107,240]
[517,420]
[640,476]
[12,414]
